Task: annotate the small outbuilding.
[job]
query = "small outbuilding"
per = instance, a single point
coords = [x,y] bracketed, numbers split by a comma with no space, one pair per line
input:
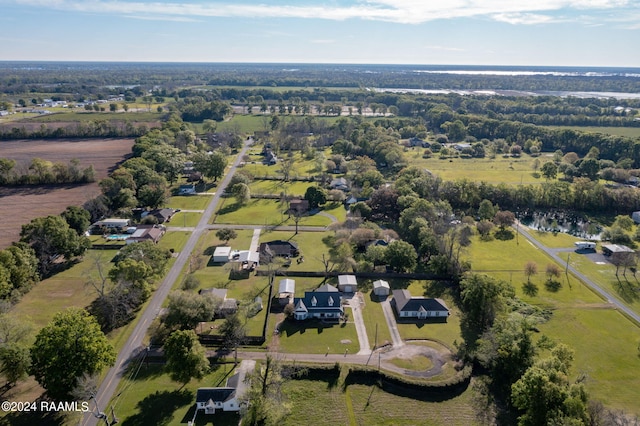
[381,288]
[616,251]
[286,290]
[347,283]
[221,254]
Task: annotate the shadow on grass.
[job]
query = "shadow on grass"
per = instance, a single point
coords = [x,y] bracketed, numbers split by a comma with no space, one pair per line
[530,289]
[229,208]
[290,327]
[504,234]
[627,291]
[553,285]
[40,418]
[218,419]
[146,371]
[158,408]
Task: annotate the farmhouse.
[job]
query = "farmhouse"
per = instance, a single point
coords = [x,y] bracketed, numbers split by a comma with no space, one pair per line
[163,215]
[347,283]
[418,307]
[280,248]
[146,233]
[381,288]
[324,303]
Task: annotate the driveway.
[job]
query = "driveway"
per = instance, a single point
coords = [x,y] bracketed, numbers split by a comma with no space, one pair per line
[390,317]
[356,303]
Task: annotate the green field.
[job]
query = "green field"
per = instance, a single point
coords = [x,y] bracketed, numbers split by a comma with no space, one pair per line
[512,171]
[314,337]
[605,342]
[189,202]
[265,212]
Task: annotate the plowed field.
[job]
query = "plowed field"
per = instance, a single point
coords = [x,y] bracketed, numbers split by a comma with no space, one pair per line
[18,205]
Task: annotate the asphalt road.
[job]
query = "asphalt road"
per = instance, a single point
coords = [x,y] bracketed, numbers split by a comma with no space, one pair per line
[604,293]
[135,342]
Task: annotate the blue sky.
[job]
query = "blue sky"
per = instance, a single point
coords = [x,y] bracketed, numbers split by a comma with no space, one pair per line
[476,32]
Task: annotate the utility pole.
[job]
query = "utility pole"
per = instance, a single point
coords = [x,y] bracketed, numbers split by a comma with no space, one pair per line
[101,415]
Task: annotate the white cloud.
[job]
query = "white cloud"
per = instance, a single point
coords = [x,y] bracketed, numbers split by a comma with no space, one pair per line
[398,11]
[445,48]
[524,18]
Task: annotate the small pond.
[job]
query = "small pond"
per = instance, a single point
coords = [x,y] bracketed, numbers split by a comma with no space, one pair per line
[567,222]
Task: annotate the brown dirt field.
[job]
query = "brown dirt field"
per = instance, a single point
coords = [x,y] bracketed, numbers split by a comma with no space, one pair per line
[19,205]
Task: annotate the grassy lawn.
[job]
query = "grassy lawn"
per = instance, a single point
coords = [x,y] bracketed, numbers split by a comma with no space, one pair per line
[373,315]
[277,186]
[174,240]
[262,212]
[627,289]
[152,398]
[606,350]
[554,239]
[316,402]
[63,290]
[189,202]
[417,363]
[512,171]
[188,219]
[314,337]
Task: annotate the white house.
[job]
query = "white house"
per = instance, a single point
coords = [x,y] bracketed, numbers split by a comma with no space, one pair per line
[113,223]
[212,399]
[381,288]
[221,254]
[418,307]
[347,283]
[187,190]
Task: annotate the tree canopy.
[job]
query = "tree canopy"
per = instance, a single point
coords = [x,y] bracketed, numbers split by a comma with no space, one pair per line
[186,358]
[70,346]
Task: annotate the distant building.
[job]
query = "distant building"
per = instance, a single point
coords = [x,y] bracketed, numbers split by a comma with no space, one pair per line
[381,288]
[340,183]
[298,206]
[187,189]
[153,234]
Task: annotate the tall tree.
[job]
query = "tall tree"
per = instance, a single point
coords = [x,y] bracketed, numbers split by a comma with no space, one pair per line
[483,299]
[51,237]
[186,358]
[71,345]
[401,256]
[77,218]
[210,165]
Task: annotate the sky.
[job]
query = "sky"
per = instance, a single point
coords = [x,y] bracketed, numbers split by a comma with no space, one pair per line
[465,32]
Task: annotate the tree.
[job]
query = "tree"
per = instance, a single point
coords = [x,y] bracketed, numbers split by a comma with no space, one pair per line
[226,234]
[233,331]
[51,237]
[315,196]
[484,227]
[401,256]
[186,358]
[147,252]
[15,338]
[487,210]
[483,299]
[504,218]
[77,218]
[210,165]
[549,170]
[71,345]
[186,309]
[545,395]
[241,192]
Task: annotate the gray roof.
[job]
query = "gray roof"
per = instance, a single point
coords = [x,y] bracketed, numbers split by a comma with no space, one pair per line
[287,285]
[215,394]
[347,280]
[216,292]
[325,299]
[380,283]
[405,303]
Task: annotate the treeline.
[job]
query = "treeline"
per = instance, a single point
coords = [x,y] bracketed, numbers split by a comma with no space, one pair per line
[43,172]
[465,195]
[81,129]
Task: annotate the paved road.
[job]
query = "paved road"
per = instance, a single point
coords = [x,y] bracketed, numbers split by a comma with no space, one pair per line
[604,293]
[135,341]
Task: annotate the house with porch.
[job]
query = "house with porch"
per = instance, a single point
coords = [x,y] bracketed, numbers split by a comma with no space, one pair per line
[410,307]
[323,303]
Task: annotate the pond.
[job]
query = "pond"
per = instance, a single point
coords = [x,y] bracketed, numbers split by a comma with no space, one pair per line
[556,221]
